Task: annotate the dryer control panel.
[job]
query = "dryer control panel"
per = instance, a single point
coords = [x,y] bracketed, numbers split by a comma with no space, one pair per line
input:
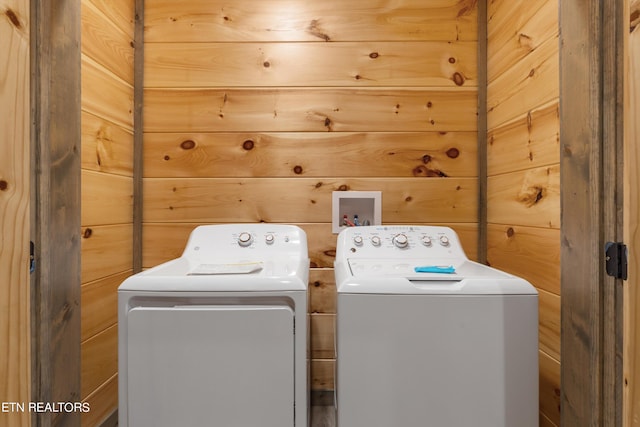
[241,241]
[399,241]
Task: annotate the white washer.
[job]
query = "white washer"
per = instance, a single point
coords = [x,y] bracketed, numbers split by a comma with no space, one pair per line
[416,349]
[219,335]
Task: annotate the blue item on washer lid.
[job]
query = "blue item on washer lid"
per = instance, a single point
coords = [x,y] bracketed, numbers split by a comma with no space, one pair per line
[435,269]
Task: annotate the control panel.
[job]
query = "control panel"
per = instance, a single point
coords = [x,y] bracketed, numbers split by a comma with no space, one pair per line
[246,240]
[399,241]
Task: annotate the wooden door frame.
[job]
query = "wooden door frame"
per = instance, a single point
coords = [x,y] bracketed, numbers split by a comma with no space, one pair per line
[631,356]
[591,137]
[55,217]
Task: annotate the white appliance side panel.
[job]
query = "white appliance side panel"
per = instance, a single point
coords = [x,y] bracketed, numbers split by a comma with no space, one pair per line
[196,366]
[454,361]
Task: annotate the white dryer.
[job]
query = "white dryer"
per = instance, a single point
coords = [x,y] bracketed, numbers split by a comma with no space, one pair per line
[426,337]
[218,337]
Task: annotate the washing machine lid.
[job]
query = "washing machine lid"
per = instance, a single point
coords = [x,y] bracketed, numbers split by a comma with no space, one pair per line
[415,276]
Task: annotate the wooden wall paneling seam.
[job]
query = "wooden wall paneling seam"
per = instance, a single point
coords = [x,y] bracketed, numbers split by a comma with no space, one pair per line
[482,130]
[322,371]
[100,304]
[106,147]
[106,250]
[106,198]
[517,249]
[530,197]
[99,360]
[549,324]
[545,421]
[529,141]
[138,136]
[106,95]
[550,388]
[532,81]
[56,136]
[102,401]
[322,326]
[322,291]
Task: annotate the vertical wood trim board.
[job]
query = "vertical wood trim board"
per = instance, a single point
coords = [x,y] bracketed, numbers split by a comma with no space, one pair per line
[589,145]
[15,362]
[580,136]
[138,134]
[57,137]
[482,130]
[614,29]
[631,351]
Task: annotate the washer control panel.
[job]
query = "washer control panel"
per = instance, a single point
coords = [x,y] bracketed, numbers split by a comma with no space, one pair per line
[399,241]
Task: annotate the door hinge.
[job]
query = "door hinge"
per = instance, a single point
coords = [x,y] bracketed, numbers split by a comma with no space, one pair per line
[32,257]
[616,259]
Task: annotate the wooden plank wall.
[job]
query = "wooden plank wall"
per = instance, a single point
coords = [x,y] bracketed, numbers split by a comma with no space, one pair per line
[258,110]
[15,110]
[107,191]
[523,167]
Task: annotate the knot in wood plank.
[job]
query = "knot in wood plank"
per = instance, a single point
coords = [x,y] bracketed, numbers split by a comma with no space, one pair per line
[453,153]
[188,144]
[458,79]
[530,196]
[13,18]
[315,30]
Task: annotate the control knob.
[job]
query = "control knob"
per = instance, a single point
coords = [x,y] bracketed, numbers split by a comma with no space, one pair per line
[444,240]
[426,240]
[245,239]
[358,240]
[401,241]
[269,239]
[375,241]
